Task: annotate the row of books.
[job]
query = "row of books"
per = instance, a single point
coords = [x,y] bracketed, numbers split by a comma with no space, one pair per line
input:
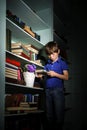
[26,51]
[21,24]
[21,102]
[13,72]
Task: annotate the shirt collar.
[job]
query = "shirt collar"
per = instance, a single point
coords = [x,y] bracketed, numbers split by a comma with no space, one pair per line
[58,60]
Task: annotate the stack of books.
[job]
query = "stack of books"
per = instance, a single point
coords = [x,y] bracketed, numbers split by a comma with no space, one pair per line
[13,73]
[18,49]
[28,104]
[27,51]
[33,51]
[16,103]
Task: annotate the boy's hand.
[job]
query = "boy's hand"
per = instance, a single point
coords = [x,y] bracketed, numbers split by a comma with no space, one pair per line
[51,73]
[38,75]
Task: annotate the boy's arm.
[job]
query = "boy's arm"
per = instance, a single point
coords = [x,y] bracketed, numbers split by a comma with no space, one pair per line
[63,76]
[40,73]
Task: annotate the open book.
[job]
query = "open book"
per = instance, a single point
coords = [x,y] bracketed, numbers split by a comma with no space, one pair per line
[41,71]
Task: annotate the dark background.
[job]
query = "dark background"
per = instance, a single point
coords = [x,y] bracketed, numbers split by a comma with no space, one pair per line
[73,15]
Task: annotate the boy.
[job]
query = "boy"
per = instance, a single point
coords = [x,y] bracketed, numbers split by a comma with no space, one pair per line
[57,72]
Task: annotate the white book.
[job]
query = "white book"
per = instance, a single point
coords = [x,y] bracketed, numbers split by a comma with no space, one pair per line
[11,66]
[42,71]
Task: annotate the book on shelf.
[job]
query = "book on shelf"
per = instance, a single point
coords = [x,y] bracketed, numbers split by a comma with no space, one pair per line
[16,45]
[28,30]
[10,70]
[26,46]
[32,98]
[13,72]
[26,53]
[29,55]
[26,50]
[22,54]
[35,99]
[33,104]
[19,74]
[13,100]
[11,76]
[13,62]
[31,48]
[21,108]
[21,51]
[24,104]
[15,81]
[11,66]
[28,104]
[38,62]
[33,56]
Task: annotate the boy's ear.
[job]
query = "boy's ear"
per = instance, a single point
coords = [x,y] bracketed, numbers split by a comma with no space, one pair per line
[58,51]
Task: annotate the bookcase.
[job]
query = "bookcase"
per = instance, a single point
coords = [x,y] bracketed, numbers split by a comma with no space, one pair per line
[39,16]
[41,26]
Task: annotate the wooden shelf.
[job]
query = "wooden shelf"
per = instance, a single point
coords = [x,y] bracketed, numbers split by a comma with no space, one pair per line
[21,59]
[18,34]
[18,115]
[32,19]
[17,88]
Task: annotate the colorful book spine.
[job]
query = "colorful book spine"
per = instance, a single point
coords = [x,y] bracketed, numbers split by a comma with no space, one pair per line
[13,62]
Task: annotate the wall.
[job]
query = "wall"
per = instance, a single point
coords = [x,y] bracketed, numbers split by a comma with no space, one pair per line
[77,118]
[2,61]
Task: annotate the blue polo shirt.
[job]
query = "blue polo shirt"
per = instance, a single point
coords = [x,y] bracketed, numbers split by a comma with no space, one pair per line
[58,66]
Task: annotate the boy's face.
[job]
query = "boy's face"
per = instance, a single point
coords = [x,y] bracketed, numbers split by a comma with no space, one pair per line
[54,56]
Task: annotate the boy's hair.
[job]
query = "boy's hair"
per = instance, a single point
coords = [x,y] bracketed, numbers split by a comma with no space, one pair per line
[51,47]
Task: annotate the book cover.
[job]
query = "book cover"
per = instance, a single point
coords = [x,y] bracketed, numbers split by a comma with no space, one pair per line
[41,71]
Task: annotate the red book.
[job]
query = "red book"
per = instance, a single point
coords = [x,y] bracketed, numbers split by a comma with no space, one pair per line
[12,61]
[19,74]
[23,55]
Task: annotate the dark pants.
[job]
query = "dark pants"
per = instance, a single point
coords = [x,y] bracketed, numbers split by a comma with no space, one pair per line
[55,104]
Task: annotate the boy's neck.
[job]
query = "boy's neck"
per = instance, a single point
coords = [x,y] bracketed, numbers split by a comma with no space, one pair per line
[55,60]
